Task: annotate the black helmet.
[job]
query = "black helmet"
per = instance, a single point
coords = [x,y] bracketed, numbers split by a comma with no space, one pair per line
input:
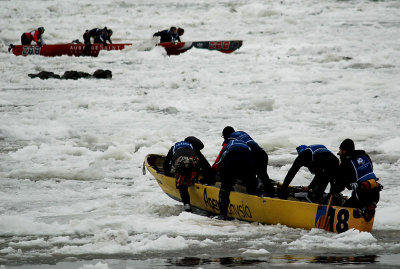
[181,31]
[41,30]
[227,132]
[347,145]
[196,143]
[172,29]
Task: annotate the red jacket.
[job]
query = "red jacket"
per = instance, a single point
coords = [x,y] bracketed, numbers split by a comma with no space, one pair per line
[34,35]
[215,166]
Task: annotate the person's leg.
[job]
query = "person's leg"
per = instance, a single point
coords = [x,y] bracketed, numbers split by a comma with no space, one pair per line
[243,169]
[227,181]
[25,40]
[261,164]
[183,190]
[326,167]
[223,203]
[320,182]
[86,39]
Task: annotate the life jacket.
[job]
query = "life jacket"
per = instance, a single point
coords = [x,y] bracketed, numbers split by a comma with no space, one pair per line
[363,169]
[243,136]
[174,37]
[180,145]
[234,146]
[33,36]
[315,149]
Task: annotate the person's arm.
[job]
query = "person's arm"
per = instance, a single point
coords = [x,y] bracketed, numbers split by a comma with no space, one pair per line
[161,33]
[103,40]
[37,38]
[299,162]
[167,165]
[346,175]
[41,40]
[215,166]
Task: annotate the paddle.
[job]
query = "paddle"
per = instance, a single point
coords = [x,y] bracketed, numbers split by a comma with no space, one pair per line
[323,222]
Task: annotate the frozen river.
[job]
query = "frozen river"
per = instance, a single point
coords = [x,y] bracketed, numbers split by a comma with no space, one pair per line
[72,193]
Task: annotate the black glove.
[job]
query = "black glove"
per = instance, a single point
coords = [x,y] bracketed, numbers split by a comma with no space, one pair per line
[39,44]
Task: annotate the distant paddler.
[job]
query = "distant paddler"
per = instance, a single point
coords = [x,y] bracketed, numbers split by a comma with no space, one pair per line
[171,35]
[99,36]
[35,35]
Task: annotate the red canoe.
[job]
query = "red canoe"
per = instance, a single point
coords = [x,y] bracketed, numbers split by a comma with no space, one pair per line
[226,46]
[63,49]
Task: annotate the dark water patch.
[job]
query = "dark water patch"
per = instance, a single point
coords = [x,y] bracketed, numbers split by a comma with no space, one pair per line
[99,74]
[168,110]
[7,108]
[7,145]
[368,66]
[368,261]
[329,259]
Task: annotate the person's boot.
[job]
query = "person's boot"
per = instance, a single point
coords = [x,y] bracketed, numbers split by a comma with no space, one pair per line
[188,208]
[223,204]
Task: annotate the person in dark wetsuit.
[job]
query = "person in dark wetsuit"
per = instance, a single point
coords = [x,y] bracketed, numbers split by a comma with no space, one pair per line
[180,33]
[185,161]
[36,36]
[321,162]
[234,163]
[356,174]
[170,35]
[100,36]
[260,158]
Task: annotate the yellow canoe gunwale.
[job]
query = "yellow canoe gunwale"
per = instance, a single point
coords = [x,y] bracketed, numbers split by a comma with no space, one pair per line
[295,214]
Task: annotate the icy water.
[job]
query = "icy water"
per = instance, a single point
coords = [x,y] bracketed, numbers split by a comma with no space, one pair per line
[72,193]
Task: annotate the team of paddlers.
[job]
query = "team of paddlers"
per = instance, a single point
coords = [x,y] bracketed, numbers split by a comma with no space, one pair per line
[242,161]
[99,36]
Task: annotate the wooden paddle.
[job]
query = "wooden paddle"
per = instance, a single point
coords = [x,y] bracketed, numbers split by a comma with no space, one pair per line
[323,221]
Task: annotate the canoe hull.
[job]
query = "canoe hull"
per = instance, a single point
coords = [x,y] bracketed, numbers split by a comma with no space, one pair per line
[63,49]
[253,208]
[226,46]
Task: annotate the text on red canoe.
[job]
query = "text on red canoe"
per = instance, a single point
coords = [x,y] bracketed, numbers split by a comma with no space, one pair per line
[219,45]
[97,47]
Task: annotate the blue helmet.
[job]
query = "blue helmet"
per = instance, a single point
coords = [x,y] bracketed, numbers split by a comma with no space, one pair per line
[301,148]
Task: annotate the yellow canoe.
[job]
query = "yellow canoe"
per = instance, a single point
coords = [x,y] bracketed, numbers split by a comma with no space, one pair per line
[295,214]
